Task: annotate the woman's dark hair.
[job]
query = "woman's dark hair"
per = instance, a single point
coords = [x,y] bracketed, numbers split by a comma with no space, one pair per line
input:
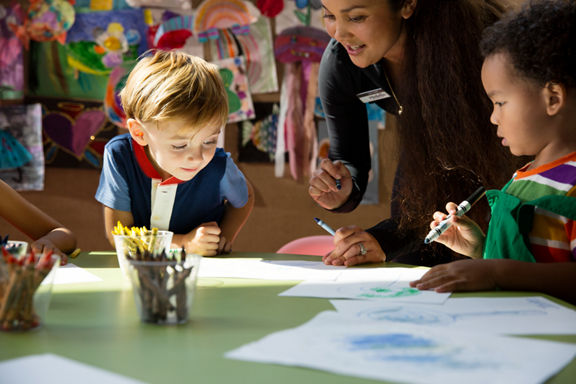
[540,41]
[448,145]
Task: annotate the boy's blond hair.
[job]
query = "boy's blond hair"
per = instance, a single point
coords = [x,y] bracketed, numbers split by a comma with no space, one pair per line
[167,85]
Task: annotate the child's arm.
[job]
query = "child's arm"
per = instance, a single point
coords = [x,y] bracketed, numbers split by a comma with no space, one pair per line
[556,279]
[233,221]
[464,236]
[111,218]
[47,232]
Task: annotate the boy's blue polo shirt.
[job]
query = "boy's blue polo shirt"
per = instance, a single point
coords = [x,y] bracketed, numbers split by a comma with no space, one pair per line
[129,182]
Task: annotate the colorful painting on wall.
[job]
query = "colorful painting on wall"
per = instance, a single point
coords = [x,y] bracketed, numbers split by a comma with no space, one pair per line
[101,41]
[112,102]
[96,44]
[233,72]
[75,132]
[11,54]
[21,155]
[213,15]
[45,20]
[258,48]
[258,136]
[299,49]
[50,75]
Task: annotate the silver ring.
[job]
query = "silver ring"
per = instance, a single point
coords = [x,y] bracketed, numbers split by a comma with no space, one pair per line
[362,249]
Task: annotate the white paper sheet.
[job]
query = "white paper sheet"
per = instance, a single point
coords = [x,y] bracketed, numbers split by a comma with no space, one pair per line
[382,284]
[49,368]
[407,353]
[70,273]
[293,270]
[511,316]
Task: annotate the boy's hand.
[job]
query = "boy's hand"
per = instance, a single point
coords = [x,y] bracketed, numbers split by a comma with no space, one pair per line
[225,246]
[204,240]
[461,275]
[464,236]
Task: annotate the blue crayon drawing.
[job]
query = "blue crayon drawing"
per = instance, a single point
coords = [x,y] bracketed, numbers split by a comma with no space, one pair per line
[410,348]
[422,316]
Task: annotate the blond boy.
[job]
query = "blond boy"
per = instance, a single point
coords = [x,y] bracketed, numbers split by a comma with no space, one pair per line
[167,172]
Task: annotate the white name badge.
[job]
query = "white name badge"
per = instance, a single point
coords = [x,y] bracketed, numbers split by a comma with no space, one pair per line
[373,95]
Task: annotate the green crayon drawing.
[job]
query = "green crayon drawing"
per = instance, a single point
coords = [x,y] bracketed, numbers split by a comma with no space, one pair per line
[234,102]
[381,293]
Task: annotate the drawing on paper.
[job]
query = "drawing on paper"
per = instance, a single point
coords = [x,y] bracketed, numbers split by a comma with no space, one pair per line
[384,292]
[425,316]
[411,348]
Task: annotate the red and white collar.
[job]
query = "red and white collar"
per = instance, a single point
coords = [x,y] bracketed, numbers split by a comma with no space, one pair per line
[147,166]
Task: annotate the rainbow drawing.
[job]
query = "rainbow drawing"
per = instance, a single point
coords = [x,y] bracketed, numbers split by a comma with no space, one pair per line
[222,14]
[182,25]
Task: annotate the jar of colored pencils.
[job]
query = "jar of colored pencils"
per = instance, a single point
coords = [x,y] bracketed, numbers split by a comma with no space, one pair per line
[131,242]
[25,288]
[164,285]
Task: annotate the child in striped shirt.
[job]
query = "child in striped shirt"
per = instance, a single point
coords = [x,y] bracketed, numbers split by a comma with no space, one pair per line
[529,74]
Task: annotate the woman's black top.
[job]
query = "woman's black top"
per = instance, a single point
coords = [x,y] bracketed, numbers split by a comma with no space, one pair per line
[341,85]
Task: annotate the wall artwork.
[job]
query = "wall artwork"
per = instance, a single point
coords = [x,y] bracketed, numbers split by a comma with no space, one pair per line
[11,54]
[21,155]
[75,132]
[233,72]
[212,15]
[258,49]
[258,136]
[100,41]
[96,44]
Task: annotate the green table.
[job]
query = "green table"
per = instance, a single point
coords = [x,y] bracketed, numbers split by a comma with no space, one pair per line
[97,323]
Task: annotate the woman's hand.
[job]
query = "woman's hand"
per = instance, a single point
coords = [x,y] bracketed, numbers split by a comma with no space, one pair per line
[352,246]
[204,240]
[461,275]
[324,184]
[464,236]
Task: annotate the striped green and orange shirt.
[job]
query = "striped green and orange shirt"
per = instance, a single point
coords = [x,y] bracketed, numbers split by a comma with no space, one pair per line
[553,237]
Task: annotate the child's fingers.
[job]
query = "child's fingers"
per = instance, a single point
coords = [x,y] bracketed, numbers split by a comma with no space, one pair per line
[451,208]
[210,228]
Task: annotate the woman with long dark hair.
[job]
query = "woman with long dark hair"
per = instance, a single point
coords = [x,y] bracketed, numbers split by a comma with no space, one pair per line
[420,61]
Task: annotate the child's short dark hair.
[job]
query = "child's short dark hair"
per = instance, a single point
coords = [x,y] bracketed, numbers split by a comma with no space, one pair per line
[539,39]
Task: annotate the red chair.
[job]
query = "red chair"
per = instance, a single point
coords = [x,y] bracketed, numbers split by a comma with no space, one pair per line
[309,245]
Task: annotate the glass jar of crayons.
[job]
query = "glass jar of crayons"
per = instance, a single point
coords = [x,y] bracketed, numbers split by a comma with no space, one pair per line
[131,242]
[164,285]
[25,286]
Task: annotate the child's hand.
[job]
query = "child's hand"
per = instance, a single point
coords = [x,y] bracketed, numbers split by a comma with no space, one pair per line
[204,240]
[461,275]
[225,246]
[464,236]
[45,245]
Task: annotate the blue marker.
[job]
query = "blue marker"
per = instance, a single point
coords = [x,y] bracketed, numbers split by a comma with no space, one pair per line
[325,226]
[460,211]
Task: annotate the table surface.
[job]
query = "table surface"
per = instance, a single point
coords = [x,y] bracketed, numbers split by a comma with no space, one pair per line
[97,323]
